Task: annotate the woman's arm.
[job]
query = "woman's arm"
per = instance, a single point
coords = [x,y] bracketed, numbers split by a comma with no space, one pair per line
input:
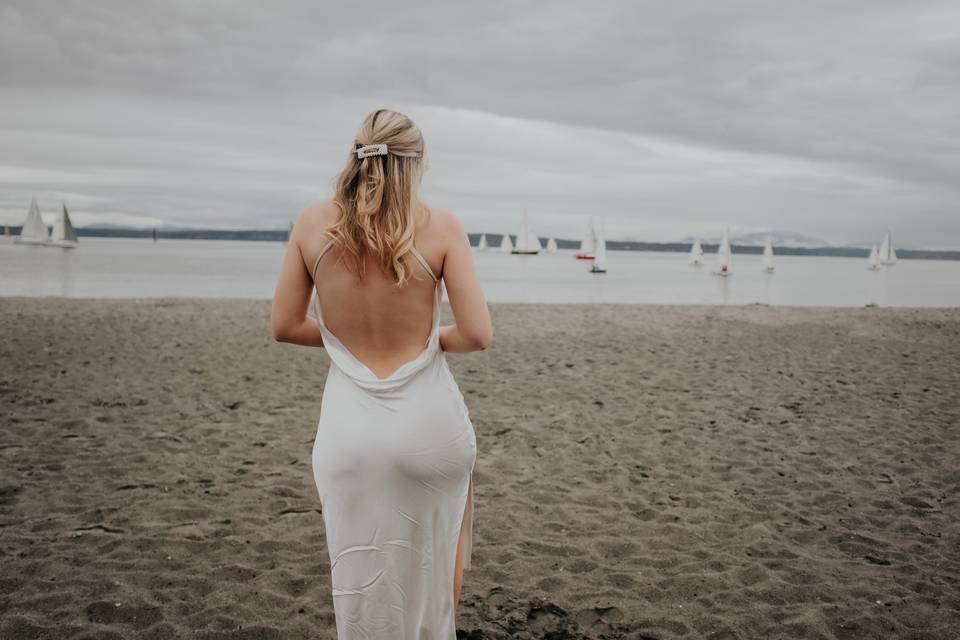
[472,329]
[288,316]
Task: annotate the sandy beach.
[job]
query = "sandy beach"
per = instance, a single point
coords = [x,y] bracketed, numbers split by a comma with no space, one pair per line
[644,472]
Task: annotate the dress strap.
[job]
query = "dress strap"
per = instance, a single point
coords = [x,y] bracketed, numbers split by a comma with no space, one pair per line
[413,250]
[316,263]
[424,263]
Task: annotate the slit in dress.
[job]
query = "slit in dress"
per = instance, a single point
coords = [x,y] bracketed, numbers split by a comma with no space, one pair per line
[466,527]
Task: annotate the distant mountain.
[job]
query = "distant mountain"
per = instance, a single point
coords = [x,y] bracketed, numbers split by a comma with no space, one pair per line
[867,244]
[107,225]
[789,239]
[106,230]
[781,239]
[785,243]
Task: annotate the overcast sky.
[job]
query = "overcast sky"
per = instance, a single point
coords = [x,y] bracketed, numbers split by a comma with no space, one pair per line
[836,119]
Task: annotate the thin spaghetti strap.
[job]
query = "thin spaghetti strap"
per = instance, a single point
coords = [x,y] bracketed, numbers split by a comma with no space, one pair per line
[316,263]
[413,250]
[422,261]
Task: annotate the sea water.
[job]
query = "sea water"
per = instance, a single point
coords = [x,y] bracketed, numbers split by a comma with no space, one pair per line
[140,268]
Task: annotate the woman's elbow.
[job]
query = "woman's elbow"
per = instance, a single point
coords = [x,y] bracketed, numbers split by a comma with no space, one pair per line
[280,332]
[482,342]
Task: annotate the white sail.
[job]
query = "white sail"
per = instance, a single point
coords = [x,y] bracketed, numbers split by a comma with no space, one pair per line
[482,244]
[768,255]
[588,245]
[533,241]
[64,235]
[34,230]
[887,254]
[527,240]
[600,255]
[551,246]
[873,262]
[506,246]
[696,253]
[724,255]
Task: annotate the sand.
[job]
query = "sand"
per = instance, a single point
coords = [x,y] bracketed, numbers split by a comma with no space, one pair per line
[643,472]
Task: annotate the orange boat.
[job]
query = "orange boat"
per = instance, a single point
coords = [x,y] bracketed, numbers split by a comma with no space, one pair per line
[588,245]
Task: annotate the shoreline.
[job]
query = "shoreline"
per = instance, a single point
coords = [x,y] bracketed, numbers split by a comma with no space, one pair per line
[446,304]
[564,244]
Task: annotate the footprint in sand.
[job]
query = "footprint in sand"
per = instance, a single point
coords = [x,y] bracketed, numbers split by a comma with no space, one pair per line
[598,618]
[544,617]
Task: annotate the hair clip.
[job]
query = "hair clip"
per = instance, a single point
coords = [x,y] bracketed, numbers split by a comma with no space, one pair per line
[372,150]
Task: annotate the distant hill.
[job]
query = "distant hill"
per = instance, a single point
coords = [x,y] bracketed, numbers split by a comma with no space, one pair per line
[117,231]
[789,239]
[111,227]
[709,245]
[867,244]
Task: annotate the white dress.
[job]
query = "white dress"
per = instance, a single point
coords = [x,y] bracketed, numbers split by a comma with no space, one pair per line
[393,463]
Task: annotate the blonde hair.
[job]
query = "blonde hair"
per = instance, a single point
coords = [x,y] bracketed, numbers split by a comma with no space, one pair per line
[377,196]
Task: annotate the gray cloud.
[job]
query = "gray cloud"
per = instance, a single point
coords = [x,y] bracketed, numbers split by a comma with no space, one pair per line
[832,119]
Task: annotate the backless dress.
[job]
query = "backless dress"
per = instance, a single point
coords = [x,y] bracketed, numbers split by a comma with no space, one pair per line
[393,463]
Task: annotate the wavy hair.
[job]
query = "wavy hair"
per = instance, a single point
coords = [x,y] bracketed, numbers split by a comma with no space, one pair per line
[377,196]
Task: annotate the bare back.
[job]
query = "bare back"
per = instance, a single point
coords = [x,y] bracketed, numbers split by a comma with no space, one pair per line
[382,325]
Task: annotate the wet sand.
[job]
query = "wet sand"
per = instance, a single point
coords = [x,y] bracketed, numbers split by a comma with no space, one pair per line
[643,472]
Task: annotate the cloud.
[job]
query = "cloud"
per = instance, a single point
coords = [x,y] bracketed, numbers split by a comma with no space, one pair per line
[832,120]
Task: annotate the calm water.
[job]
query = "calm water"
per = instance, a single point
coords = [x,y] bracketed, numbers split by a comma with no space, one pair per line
[133,268]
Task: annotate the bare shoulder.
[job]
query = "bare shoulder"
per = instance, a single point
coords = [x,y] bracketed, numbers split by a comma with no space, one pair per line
[308,230]
[317,216]
[440,232]
[445,223]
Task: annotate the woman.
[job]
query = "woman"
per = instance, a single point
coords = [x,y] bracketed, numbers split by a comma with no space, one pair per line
[395,449]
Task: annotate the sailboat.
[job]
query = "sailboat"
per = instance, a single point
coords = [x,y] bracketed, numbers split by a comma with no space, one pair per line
[696,254]
[64,235]
[600,255]
[527,241]
[505,245]
[888,255]
[551,245]
[34,230]
[482,244]
[873,262]
[588,244]
[724,254]
[768,255]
